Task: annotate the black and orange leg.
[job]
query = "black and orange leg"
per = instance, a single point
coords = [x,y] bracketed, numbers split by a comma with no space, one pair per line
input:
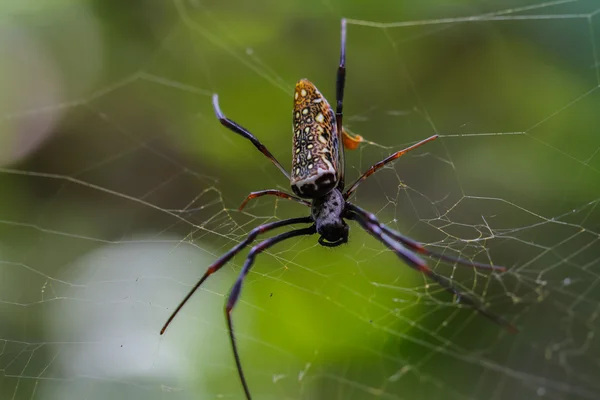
[234,294]
[217,265]
[418,247]
[272,192]
[416,263]
[384,162]
[240,130]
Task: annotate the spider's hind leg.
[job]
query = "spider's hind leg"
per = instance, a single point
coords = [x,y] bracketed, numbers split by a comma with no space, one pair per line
[240,130]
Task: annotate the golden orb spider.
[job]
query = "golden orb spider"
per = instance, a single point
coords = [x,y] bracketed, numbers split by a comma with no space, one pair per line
[318,175]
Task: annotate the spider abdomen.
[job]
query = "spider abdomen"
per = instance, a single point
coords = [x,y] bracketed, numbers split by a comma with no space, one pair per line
[315,169]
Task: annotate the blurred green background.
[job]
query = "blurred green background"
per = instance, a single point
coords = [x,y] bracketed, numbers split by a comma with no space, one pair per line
[119,187]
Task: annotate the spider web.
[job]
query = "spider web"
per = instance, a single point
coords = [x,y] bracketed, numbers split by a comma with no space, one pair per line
[119,188]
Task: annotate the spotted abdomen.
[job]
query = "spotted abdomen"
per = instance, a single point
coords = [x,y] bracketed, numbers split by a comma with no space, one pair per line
[315,162]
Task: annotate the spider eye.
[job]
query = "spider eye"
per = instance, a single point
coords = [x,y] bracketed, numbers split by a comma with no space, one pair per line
[333,231]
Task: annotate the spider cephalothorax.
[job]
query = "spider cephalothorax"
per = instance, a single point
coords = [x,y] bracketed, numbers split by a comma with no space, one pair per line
[318,175]
[327,213]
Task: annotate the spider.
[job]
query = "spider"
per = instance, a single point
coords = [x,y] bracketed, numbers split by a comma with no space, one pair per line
[317,179]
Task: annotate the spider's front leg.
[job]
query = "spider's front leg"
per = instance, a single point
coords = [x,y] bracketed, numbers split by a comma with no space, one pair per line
[418,247]
[234,294]
[415,262]
[217,265]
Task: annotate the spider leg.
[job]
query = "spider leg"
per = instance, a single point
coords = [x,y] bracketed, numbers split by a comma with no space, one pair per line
[351,142]
[418,247]
[340,84]
[240,130]
[416,263]
[237,287]
[272,192]
[383,162]
[229,255]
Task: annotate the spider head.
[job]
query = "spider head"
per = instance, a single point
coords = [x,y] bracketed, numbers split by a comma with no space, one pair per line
[327,213]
